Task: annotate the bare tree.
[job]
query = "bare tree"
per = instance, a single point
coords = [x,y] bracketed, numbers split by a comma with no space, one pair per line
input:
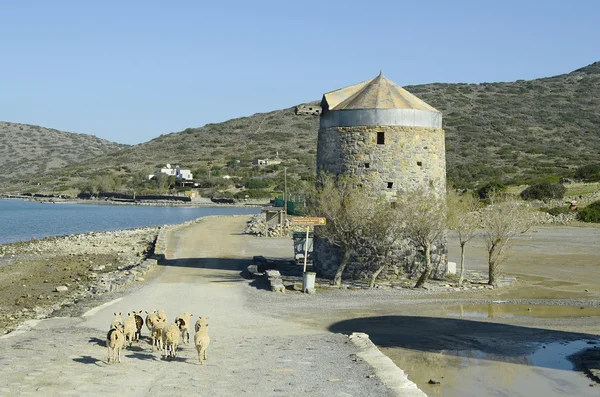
[503,220]
[346,207]
[424,223]
[381,235]
[464,220]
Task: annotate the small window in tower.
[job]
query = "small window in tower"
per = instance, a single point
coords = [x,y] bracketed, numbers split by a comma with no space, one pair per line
[420,163]
[380,138]
[367,165]
[390,184]
[393,204]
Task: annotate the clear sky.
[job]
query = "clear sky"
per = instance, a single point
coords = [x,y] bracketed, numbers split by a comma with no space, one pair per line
[128,71]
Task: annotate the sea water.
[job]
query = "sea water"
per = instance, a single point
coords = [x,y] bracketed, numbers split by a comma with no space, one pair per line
[24,220]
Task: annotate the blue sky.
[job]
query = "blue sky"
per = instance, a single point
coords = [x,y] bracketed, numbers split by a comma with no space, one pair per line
[128,71]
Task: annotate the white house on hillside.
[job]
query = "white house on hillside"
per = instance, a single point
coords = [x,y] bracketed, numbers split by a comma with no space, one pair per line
[179,174]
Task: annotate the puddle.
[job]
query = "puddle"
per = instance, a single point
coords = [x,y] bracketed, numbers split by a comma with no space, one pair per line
[472,373]
[499,310]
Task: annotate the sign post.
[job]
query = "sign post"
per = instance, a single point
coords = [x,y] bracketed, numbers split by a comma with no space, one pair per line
[308,280]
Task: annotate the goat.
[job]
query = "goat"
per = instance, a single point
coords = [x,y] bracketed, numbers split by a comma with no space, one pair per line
[201,339]
[170,340]
[183,322]
[129,328]
[115,340]
[139,323]
[157,330]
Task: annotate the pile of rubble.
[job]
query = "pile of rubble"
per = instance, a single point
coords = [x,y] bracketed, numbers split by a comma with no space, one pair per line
[544,218]
[258,226]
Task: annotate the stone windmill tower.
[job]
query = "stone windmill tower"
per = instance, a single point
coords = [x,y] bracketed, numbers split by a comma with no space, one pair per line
[387,137]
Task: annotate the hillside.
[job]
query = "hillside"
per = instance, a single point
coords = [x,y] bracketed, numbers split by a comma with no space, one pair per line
[33,150]
[513,132]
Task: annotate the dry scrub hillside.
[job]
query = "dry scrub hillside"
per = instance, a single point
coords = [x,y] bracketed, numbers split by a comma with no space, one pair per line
[514,133]
[33,150]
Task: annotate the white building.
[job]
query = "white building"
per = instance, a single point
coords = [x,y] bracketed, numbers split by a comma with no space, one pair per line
[177,172]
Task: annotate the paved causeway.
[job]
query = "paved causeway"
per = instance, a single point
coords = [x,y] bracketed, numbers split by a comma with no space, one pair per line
[251,354]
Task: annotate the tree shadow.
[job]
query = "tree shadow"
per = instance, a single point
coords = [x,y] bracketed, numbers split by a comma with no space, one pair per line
[452,336]
[233,264]
[87,360]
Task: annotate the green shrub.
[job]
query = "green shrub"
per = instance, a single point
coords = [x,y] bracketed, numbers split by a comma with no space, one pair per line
[259,183]
[252,193]
[485,190]
[544,190]
[558,210]
[589,173]
[591,213]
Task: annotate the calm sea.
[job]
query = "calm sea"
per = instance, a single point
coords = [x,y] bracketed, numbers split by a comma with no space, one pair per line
[24,220]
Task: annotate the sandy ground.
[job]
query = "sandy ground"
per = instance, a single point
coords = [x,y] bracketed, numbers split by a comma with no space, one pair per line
[477,350]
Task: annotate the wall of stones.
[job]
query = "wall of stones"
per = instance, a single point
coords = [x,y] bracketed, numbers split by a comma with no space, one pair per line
[409,158]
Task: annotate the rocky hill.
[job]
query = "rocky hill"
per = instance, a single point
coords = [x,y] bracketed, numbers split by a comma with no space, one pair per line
[33,150]
[514,132]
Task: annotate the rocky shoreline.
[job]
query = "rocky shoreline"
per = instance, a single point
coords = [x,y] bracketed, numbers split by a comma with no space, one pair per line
[154,203]
[41,278]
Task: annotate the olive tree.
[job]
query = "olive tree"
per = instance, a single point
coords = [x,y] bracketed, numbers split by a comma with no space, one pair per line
[424,222]
[464,220]
[382,234]
[503,220]
[340,200]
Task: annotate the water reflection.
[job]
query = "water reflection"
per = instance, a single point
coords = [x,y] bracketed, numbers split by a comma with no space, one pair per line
[516,310]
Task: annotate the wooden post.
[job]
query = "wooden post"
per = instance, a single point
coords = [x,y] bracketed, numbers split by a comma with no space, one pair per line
[306,248]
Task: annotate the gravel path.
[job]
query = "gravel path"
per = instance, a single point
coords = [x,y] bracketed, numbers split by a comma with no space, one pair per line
[252,353]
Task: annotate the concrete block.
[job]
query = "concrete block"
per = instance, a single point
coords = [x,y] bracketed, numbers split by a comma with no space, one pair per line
[451,267]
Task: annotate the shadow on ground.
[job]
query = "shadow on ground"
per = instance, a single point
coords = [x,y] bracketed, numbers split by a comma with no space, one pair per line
[489,341]
[87,360]
[98,341]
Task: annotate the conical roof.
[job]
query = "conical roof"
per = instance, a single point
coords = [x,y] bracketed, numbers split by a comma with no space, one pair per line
[377,93]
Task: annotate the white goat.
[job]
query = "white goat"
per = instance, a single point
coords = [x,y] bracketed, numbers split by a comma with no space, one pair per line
[170,339]
[201,339]
[118,321]
[157,330]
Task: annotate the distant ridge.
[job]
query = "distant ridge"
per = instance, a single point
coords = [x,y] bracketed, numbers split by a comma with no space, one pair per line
[30,149]
[514,132]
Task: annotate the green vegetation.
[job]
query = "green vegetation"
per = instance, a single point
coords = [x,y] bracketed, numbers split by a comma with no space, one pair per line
[543,191]
[591,213]
[588,173]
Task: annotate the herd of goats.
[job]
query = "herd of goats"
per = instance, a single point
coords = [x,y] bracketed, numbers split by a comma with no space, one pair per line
[165,337]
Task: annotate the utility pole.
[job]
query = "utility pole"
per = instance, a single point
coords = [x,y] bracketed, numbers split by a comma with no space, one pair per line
[285,194]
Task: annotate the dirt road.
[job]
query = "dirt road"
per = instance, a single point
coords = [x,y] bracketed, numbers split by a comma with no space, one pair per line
[252,353]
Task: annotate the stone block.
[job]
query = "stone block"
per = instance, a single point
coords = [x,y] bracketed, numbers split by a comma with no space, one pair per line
[277,286]
[61,288]
[272,273]
[451,267]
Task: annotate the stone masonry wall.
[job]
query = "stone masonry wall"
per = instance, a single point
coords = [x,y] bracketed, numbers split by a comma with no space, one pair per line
[411,157]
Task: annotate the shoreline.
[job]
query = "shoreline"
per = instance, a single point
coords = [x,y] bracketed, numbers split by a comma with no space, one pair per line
[150,203]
